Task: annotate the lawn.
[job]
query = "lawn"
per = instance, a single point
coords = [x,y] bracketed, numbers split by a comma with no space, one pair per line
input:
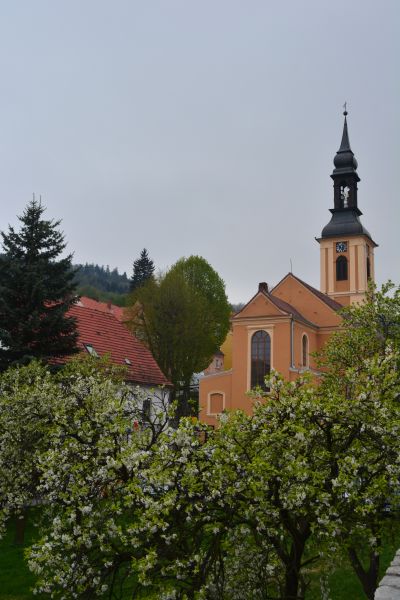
[16,581]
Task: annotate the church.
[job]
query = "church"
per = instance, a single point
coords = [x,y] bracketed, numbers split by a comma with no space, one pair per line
[281,328]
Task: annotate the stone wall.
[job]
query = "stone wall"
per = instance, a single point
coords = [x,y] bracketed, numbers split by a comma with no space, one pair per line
[389,587]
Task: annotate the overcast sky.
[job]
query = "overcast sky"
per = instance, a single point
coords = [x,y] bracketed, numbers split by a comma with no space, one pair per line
[201,127]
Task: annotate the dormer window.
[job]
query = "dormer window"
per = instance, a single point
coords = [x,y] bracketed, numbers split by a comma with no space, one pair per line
[90,349]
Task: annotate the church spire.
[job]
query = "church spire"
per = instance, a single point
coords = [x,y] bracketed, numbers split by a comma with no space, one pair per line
[347,249]
[345,145]
[345,161]
[345,214]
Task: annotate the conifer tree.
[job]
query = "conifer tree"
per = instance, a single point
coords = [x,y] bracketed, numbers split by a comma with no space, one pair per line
[143,269]
[36,291]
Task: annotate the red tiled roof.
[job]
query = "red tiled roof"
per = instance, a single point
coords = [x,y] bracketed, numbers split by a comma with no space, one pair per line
[109,336]
[106,307]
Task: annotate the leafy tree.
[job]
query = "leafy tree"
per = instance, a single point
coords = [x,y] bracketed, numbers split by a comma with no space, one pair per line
[361,371]
[34,399]
[183,317]
[186,511]
[36,291]
[245,509]
[26,404]
[143,269]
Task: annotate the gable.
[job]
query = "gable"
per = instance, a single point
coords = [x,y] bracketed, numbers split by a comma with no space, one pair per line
[308,302]
[259,306]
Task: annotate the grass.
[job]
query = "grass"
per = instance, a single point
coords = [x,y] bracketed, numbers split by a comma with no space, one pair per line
[16,581]
[343,583]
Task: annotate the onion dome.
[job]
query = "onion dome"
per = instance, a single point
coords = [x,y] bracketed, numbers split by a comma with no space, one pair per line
[345,161]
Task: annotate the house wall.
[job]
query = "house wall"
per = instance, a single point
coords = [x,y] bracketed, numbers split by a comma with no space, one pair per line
[219,383]
[158,396]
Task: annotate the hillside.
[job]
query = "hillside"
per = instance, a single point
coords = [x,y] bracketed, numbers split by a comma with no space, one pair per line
[101,283]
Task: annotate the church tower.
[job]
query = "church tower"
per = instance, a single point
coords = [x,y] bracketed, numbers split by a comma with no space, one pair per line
[347,249]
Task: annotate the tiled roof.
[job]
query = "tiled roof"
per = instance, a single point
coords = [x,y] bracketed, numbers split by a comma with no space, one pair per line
[109,336]
[106,307]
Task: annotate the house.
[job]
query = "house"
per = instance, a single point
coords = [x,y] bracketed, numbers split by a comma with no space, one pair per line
[281,328]
[102,332]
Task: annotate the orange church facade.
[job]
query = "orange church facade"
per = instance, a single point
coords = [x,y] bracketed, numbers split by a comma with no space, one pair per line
[281,328]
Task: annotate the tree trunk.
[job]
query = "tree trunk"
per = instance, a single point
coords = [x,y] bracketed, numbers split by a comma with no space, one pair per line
[292,567]
[291,583]
[368,579]
[21,520]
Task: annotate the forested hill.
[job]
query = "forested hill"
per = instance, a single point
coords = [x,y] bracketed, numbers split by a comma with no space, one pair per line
[101,283]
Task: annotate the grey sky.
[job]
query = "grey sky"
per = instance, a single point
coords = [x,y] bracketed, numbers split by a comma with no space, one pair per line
[204,127]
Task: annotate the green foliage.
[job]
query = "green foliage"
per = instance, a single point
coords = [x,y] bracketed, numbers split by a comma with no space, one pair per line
[102,279]
[253,509]
[16,581]
[192,512]
[95,294]
[183,317]
[36,291]
[143,270]
[361,366]
[27,396]
[369,329]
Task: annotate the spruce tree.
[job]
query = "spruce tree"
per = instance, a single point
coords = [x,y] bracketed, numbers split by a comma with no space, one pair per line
[36,291]
[143,269]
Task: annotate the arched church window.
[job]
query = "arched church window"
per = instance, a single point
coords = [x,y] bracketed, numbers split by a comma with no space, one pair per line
[260,358]
[368,268]
[344,195]
[341,269]
[304,351]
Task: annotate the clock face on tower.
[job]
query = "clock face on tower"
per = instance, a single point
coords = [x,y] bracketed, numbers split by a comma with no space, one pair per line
[341,246]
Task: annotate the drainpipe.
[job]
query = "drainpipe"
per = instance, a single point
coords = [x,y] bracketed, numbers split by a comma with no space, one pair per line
[292,343]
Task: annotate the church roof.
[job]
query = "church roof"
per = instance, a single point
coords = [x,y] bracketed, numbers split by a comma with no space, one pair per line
[280,304]
[336,306]
[345,222]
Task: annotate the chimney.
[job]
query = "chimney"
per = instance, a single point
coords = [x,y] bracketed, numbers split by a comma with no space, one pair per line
[263,287]
[109,305]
